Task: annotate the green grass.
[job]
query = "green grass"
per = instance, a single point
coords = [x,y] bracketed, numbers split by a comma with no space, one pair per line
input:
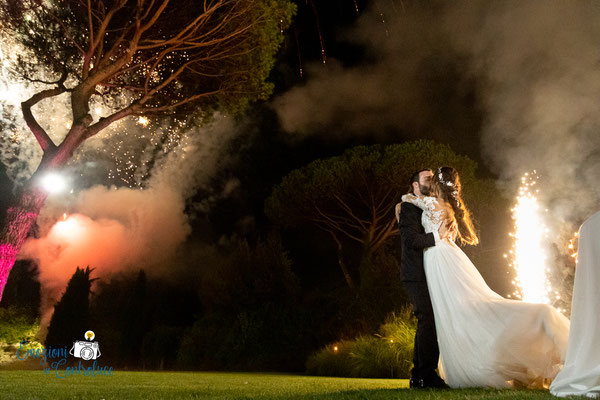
[217,385]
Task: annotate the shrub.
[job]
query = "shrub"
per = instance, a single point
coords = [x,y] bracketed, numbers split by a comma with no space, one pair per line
[252,315]
[387,354]
[16,324]
[159,347]
[258,338]
[373,357]
[332,360]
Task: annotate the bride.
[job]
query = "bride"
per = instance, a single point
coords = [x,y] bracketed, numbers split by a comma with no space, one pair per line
[484,339]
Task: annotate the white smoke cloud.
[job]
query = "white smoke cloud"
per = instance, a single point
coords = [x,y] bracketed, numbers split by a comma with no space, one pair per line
[538,63]
[533,67]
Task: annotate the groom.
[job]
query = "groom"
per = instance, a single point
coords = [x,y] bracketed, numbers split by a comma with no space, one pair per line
[413,241]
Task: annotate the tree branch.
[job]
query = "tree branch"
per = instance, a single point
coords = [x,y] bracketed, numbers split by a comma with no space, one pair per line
[334,224]
[40,134]
[155,17]
[65,29]
[346,207]
[170,107]
[383,235]
[321,223]
[179,38]
[106,121]
[104,24]
[341,262]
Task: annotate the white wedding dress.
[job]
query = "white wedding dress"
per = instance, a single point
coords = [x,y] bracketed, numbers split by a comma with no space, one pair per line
[485,339]
[581,372]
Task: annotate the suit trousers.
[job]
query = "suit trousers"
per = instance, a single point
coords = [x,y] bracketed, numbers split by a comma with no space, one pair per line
[426,353]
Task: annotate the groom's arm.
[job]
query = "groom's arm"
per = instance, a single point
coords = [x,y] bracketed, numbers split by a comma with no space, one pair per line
[410,228]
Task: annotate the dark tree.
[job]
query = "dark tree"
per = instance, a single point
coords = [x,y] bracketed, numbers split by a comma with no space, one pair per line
[352,197]
[132,322]
[71,314]
[252,316]
[135,314]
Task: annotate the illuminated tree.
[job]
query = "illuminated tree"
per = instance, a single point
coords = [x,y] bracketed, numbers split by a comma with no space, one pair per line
[352,197]
[164,56]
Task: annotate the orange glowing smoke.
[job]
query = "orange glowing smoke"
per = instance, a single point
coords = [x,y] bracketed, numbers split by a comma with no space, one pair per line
[111,231]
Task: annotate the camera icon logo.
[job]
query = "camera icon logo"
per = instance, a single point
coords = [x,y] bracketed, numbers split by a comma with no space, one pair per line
[86,349]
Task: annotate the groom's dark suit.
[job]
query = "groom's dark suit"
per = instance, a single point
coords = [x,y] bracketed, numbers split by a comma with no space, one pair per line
[414,240]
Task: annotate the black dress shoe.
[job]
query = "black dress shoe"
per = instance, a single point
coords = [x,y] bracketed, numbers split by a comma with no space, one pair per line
[435,382]
[416,383]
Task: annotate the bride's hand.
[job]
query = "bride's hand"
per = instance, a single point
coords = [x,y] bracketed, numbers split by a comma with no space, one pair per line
[448,232]
[453,232]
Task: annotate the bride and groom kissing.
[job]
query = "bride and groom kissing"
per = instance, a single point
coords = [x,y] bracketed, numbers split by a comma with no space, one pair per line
[472,335]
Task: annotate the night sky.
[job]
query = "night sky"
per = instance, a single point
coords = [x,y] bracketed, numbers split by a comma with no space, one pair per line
[269,152]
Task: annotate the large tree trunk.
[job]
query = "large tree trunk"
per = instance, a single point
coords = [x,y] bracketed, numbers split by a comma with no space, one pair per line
[19,220]
[342,264]
[22,216]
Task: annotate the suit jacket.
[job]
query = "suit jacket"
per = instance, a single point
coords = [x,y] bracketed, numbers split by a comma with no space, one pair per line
[413,240]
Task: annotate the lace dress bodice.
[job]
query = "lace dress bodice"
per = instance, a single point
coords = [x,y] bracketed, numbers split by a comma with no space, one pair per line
[433,213]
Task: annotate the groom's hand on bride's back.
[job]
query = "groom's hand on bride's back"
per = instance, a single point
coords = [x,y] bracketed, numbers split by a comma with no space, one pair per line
[448,232]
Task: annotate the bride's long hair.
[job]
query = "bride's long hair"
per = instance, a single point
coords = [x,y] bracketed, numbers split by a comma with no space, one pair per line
[446,186]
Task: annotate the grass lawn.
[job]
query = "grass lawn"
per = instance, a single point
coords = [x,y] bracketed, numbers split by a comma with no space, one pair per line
[33,384]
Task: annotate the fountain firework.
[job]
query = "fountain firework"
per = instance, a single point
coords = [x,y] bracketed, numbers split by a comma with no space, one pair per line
[529,259]
[573,243]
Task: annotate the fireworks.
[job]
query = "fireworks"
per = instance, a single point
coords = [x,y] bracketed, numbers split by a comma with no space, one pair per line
[68,228]
[573,245]
[143,121]
[529,258]
[127,149]
[53,182]
[321,39]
